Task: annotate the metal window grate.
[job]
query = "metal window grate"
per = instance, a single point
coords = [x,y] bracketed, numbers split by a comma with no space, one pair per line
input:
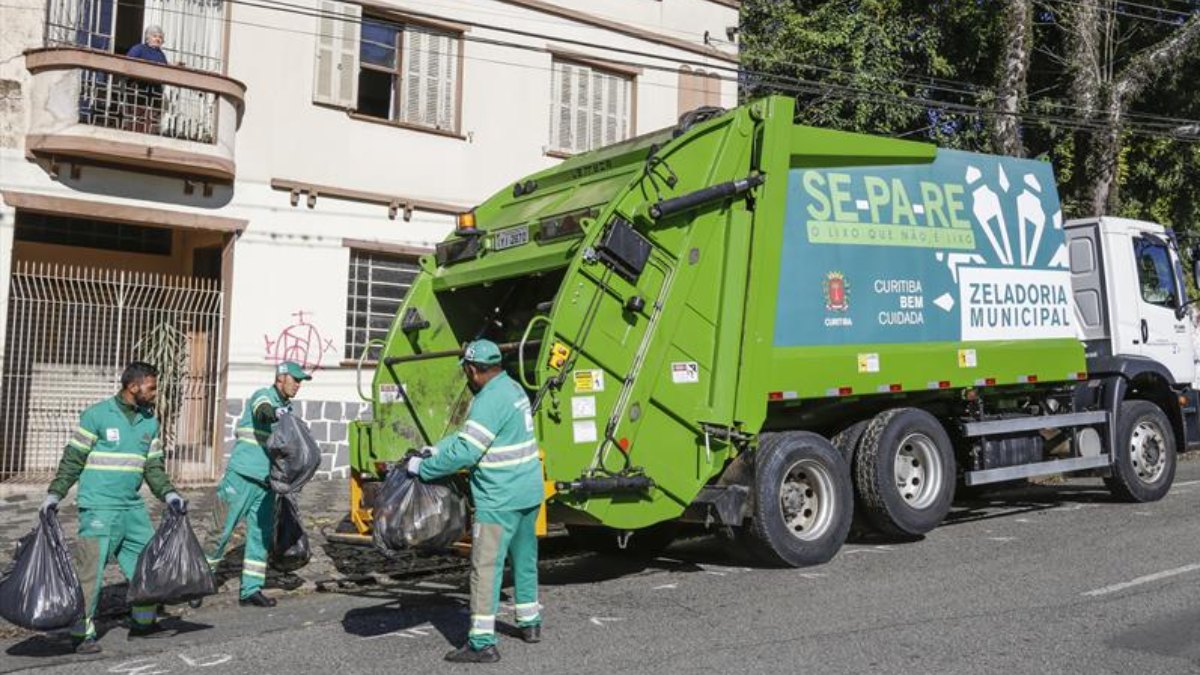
[193,29]
[377,286]
[116,102]
[70,332]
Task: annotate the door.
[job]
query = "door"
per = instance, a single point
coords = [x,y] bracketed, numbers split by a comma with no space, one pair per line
[1164,337]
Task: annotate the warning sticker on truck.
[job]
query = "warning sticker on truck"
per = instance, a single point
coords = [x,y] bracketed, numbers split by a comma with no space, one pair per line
[685,372]
[589,381]
[389,393]
[967,247]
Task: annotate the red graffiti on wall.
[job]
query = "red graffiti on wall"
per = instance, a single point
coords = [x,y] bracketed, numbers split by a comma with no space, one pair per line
[301,342]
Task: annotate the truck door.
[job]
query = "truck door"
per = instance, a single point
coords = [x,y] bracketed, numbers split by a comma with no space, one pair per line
[1163,337]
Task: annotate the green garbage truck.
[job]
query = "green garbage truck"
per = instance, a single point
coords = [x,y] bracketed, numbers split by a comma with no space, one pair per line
[773,329]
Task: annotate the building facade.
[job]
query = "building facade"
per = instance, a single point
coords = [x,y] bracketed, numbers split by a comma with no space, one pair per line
[262,192]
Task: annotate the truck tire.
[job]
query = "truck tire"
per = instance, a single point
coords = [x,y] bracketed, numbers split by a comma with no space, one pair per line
[644,543]
[847,440]
[1144,467]
[803,501]
[904,472]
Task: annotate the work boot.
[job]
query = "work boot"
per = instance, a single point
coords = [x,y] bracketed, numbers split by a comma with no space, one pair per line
[258,600]
[150,630]
[466,654]
[87,645]
[196,603]
[531,634]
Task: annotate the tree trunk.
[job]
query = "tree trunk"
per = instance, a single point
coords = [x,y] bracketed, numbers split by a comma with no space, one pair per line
[1142,69]
[1006,125]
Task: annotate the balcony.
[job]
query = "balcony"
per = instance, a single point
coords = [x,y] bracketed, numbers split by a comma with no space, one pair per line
[94,106]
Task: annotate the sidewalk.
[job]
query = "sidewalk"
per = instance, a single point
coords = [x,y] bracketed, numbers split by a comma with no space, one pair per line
[323,504]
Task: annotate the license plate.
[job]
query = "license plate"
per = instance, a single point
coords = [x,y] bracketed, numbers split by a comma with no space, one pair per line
[511,237]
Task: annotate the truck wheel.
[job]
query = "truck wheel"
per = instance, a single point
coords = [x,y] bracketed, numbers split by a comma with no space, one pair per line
[643,543]
[802,500]
[904,472]
[847,440]
[1144,467]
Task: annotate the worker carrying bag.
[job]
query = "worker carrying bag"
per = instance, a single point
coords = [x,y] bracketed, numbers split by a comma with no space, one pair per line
[295,456]
[289,542]
[40,590]
[172,567]
[412,514]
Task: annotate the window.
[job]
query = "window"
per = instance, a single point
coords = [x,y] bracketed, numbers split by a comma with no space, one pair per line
[393,71]
[66,231]
[193,29]
[1155,272]
[408,74]
[378,284]
[698,89]
[589,108]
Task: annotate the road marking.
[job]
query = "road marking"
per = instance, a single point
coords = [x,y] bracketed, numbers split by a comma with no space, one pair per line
[813,575]
[715,574]
[873,549]
[436,585]
[601,620]
[665,587]
[1143,580]
[1001,539]
[407,633]
[1186,482]
[206,662]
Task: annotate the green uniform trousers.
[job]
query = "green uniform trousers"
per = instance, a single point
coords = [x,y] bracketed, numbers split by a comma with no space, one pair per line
[240,498]
[105,534]
[497,535]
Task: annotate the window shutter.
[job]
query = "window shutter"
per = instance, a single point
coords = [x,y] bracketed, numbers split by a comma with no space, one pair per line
[582,113]
[335,78]
[430,87]
[564,107]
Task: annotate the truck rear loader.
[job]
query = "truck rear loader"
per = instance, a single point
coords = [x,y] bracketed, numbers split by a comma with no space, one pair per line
[772,328]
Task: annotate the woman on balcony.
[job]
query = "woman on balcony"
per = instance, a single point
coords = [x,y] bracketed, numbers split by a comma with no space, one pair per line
[145,101]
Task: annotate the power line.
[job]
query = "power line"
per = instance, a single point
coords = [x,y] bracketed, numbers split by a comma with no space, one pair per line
[778,82]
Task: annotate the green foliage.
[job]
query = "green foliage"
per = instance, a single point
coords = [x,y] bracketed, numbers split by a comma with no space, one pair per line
[907,68]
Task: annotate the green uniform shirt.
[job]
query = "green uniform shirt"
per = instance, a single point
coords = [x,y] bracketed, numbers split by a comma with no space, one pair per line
[114,448]
[497,444]
[250,458]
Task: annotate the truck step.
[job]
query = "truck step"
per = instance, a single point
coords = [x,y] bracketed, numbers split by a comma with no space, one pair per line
[1019,424]
[1039,469]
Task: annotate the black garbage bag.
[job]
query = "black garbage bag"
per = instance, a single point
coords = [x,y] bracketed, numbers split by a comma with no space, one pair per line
[172,567]
[295,456]
[40,590]
[412,514]
[289,542]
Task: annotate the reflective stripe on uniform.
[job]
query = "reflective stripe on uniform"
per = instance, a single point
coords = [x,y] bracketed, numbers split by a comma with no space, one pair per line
[483,625]
[84,628]
[115,461]
[527,611]
[252,435]
[254,568]
[476,434]
[144,614]
[82,439]
[511,455]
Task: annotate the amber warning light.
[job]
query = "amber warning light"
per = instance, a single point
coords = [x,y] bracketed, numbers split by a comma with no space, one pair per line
[466,224]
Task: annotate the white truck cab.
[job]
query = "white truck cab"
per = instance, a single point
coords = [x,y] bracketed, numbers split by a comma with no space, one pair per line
[1131,295]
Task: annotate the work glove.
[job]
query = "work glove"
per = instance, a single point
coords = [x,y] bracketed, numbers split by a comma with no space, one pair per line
[429,451]
[50,504]
[176,503]
[283,410]
[414,465]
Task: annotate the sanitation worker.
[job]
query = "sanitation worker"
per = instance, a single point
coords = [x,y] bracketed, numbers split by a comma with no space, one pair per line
[244,493]
[114,448]
[496,443]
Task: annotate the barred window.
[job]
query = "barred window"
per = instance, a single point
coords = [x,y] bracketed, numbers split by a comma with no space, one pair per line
[377,286]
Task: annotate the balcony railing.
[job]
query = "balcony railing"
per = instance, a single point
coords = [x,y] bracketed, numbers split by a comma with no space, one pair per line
[90,104]
[129,104]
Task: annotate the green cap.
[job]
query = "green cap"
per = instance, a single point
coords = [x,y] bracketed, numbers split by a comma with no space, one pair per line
[483,352]
[292,368]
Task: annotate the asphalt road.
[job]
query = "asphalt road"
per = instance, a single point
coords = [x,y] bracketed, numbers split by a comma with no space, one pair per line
[1043,580]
